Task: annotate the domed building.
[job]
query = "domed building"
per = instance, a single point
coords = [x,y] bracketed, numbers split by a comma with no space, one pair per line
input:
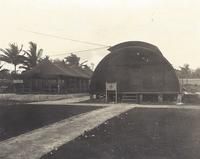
[140,71]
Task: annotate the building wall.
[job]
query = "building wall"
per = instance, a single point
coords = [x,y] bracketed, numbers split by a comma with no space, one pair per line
[55,85]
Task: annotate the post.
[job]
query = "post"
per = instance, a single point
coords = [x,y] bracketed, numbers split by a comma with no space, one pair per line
[179,99]
[106,94]
[116,94]
[140,98]
[31,85]
[58,86]
[160,98]
[23,88]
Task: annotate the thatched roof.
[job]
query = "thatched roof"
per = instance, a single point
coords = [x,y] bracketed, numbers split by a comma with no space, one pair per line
[48,69]
[136,67]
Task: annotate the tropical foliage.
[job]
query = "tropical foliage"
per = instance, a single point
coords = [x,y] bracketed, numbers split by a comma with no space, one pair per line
[186,72]
[12,55]
[4,73]
[72,60]
[27,59]
[32,56]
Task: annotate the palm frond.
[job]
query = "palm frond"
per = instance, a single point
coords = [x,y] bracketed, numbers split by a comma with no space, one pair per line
[5,58]
[32,56]
[4,71]
[24,67]
[12,54]
[39,54]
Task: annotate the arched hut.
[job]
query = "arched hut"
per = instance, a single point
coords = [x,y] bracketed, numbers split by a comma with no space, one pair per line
[140,70]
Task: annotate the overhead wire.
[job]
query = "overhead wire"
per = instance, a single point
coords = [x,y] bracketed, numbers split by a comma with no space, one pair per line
[64,38]
[81,51]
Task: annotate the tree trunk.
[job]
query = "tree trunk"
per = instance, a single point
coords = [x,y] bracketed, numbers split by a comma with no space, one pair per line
[15,69]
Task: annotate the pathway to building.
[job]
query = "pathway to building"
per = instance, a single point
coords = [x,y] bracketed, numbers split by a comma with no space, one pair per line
[34,144]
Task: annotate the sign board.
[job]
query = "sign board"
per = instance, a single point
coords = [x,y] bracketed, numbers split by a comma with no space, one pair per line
[18,81]
[111,86]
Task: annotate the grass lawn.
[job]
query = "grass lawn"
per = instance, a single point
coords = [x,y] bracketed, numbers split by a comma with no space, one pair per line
[141,133]
[20,118]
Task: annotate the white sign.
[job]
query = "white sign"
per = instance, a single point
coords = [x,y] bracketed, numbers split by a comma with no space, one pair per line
[18,81]
[111,86]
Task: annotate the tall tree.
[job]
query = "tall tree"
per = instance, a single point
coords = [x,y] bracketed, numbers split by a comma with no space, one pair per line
[12,55]
[196,73]
[32,56]
[72,60]
[185,71]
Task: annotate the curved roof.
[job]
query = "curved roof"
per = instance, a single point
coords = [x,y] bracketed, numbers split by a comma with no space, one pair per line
[133,43]
[136,67]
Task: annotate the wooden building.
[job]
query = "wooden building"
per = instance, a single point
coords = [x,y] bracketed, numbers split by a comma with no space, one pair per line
[48,77]
[140,71]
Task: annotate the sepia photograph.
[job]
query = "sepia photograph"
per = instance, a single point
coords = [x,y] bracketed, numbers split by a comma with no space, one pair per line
[100,79]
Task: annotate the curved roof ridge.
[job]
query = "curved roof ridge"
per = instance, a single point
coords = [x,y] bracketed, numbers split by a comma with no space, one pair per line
[133,43]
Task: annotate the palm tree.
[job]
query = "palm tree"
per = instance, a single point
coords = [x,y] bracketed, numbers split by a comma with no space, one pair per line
[12,55]
[4,73]
[72,60]
[32,56]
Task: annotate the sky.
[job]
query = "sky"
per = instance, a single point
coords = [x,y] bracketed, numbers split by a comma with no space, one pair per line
[172,25]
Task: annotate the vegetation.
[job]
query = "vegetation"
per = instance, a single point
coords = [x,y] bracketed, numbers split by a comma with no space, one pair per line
[186,72]
[27,59]
[4,73]
[58,61]
[32,56]
[12,55]
[72,60]
[2,69]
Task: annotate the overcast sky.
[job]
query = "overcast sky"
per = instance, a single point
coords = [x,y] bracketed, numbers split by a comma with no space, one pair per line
[172,25]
